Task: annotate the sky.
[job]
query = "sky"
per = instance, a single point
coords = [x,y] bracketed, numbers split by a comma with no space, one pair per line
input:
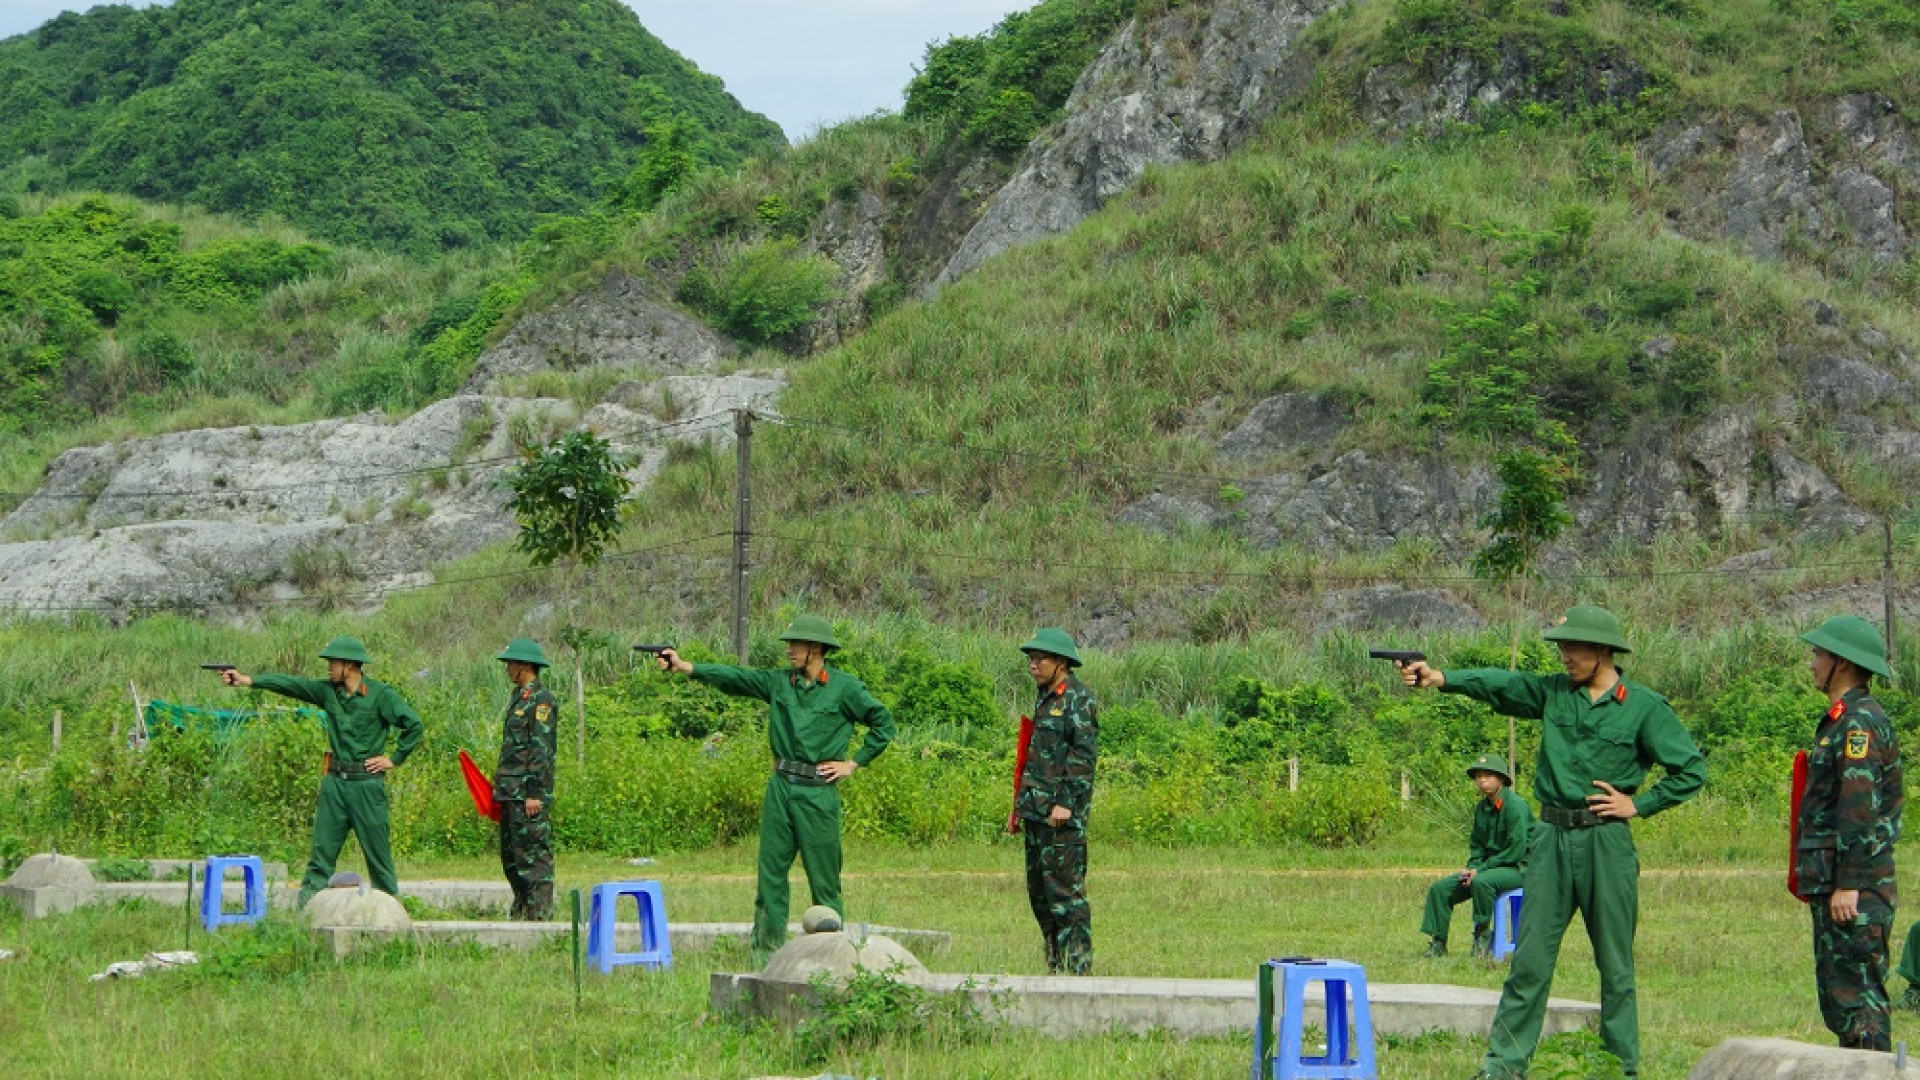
[805,63]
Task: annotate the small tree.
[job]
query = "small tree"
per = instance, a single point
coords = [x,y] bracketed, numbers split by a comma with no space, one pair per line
[567,497]
[1530,515]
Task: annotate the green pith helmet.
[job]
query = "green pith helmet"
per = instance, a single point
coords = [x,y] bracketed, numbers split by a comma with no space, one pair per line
[1853,639]
[1589,625]
[1492,763]
[811,628]
[525,650]
[1056,642]
[346,648]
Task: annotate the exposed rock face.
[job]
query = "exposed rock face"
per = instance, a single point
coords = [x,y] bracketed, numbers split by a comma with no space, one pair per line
[220,521]
[1399,99]
[852,234]
[625,323]
[1829,179]
[1393,607]
[1284,423]
[1190,87]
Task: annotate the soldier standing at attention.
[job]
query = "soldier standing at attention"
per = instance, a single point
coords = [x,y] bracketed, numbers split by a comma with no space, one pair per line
[353,791]
[1849,823]
[813,709]
[1600,735]
[1496,852]
[523,783]
[1055,792]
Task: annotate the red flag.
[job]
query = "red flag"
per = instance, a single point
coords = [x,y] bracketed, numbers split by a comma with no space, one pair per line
[1793,829]
[1019,767]
[479,787]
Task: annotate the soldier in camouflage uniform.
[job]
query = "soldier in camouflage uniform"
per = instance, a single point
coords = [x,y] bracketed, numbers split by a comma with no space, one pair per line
[523,783]
[1056,790]
[1849,823]
[1496,854]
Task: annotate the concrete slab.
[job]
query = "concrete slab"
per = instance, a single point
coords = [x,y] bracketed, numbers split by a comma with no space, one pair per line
[527,935]
[176,869]
[47,900]
[1064,1006]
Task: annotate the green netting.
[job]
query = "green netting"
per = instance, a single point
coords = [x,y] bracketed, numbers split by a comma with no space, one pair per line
[224,723]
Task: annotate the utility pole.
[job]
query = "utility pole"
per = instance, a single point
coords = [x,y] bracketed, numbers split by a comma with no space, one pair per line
[1886,585]
[742,524]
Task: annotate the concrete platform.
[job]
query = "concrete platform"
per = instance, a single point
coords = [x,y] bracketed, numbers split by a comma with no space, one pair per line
[527,935]
[1064,1006]
[40,902]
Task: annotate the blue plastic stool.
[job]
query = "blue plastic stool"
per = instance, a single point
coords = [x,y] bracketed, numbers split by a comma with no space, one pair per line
[656,945]
[1347,1058]
[1506,922]
[253,875]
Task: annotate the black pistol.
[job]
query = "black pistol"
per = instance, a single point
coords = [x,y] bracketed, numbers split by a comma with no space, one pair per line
[652,650]
[219,667]
[1400,657]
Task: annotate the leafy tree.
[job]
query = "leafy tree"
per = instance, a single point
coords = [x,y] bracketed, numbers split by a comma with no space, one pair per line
[568,497]
[667,162]
[1531,514]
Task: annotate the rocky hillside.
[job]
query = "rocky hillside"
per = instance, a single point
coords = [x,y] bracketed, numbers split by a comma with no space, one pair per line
[1275,294]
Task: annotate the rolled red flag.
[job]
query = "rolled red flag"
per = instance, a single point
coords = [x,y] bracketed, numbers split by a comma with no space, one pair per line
[1793,826]
[478,786]
[1019,767]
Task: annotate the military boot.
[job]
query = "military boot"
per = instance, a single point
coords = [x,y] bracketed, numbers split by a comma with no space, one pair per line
[1436,947]
[1482,942]
[1911,999]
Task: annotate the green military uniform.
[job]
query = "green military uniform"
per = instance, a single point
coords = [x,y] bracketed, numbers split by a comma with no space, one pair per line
[526,772]
[1496,853]
[1579,862]
[351,798]
[1059,772]
[808,723]
[1849,824]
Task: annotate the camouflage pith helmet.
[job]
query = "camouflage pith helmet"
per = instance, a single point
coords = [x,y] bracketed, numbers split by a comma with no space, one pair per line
[346,648]
[811,628]
[1589,625]
[1853,639]
[1492,763]
[1054,642]
[525,650]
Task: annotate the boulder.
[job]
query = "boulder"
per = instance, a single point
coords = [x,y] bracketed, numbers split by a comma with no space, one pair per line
[624,323]
[1784,1059]
[820,919]
[840,956]
[51,872]
[356,909]
[1286,422]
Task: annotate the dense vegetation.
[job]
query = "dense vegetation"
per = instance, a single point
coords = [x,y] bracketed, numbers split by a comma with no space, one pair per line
[415,125]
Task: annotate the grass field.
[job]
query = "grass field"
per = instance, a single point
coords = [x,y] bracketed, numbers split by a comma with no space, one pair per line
[1723,951]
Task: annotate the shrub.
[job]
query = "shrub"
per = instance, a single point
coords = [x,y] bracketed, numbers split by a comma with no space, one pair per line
[763,293]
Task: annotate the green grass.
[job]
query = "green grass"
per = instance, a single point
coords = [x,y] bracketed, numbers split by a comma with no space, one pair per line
[1722,952]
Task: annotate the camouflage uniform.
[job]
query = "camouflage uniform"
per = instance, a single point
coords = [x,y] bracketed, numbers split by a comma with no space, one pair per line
[526,772]
[1849,823]
[1059,772]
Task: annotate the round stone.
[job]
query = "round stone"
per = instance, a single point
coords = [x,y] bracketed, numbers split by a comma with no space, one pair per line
[364,909]
[840,957]
[820,919]
[52,872]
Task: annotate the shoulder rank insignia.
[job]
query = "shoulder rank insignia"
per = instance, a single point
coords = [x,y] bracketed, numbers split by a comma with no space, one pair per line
[526,692]
[543,713]
[1858,742]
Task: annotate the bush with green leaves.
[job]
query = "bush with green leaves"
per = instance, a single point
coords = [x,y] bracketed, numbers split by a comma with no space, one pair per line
[762,293]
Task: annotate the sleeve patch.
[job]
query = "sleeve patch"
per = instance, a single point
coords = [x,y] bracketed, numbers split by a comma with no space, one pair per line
[1858,743]
[543,713]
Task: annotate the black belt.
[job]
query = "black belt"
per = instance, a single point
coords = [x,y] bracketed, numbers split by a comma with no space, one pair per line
[1572,819]
[804,773]
[353,771]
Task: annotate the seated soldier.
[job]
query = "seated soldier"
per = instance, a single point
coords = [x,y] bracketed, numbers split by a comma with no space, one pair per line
[1496,853]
